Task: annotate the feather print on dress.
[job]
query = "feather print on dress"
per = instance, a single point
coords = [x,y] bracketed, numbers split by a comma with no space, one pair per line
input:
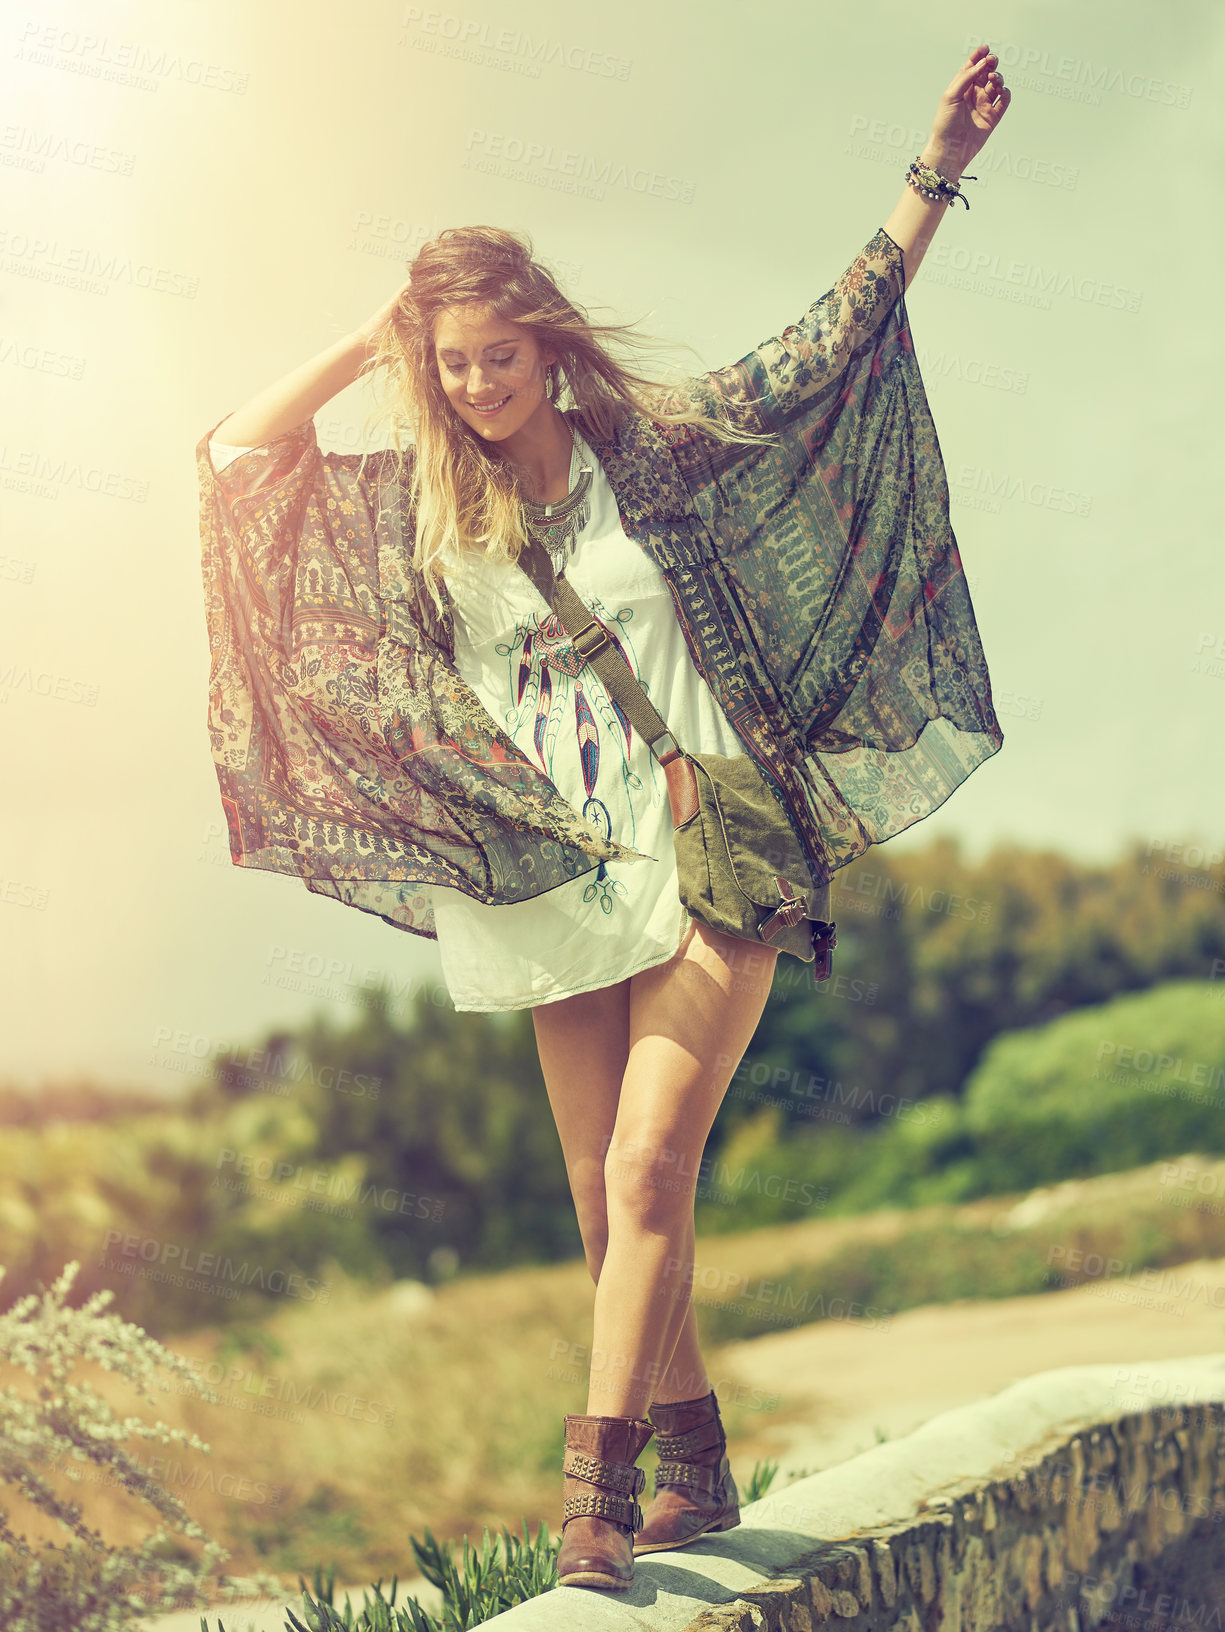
[622,721]
[525,668]
[588,739]
[611,624]
[544,697]
[546,669]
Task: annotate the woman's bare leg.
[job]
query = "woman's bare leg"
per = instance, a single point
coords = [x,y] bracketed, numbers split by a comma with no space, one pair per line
[583,1043]
[584,1046]
[690,1021]
[684,1378]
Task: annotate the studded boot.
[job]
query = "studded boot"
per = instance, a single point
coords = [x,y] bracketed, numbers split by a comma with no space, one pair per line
[694,1489]
[600,1513]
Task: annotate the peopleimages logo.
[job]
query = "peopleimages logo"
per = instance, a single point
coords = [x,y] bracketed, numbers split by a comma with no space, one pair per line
[1079,1266]
[1079,78]
[992,272]
[246,1389]
[45,359]
[174,1264]
[55,471]
[994,484]
[28,148]
[42,683]
[893,141]
[318,1182]
[770,1300]
[469,39]
[1125,1057]
[84,266]
[126,62]
[563,168]
[947,365]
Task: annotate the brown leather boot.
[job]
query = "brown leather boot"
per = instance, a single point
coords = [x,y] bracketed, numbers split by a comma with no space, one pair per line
[600,1515]
[694,1489]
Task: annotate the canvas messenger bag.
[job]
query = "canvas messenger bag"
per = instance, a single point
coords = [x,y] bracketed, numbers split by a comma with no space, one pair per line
[739,865]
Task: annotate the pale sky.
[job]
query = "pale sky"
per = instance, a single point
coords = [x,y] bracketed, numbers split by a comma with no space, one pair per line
[244,183]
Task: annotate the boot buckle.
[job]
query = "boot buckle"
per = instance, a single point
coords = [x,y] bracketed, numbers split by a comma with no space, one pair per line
[599,1504]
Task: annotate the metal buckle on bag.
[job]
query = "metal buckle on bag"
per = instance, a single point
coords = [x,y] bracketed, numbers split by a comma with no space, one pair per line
[664,754]
[786,915]
[600,640]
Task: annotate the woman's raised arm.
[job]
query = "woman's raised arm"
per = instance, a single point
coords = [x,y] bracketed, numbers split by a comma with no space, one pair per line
[300,394]
[774,381]
[970,109]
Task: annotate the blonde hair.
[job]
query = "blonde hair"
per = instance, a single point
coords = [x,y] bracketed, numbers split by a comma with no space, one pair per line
[462,492]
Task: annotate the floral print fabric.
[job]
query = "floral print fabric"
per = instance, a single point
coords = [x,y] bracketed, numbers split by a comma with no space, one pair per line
[816,582]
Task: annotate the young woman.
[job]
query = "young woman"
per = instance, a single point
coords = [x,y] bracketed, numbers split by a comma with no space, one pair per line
[397,717]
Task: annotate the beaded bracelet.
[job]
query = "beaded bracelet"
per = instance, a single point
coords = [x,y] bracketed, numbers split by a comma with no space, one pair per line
[931,184]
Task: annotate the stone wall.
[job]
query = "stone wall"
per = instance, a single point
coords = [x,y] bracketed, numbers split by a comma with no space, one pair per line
[1097,1533]
[1088,1497]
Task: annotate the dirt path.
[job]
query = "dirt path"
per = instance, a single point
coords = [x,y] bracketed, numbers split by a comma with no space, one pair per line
[846,1380]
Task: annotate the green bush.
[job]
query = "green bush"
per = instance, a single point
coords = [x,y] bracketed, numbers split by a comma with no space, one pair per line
[1100,1090]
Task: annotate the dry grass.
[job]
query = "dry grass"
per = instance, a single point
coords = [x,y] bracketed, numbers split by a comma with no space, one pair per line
[354,1424]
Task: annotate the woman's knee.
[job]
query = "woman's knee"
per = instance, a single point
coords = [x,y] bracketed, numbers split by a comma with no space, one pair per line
[649,1182]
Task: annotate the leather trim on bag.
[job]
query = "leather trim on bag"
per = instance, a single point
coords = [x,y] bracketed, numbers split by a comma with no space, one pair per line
[682,789]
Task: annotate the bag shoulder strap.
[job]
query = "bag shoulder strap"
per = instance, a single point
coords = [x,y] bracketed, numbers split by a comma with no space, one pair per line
[595,646]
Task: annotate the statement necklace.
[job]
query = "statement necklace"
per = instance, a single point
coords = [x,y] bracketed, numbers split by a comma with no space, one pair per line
[557,526]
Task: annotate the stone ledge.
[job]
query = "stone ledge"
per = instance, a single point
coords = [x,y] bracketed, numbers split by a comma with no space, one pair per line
[1038,1507]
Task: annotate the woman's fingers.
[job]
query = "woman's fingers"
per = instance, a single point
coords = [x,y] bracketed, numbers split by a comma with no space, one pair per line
[980,85]
[976,100]
[976,69]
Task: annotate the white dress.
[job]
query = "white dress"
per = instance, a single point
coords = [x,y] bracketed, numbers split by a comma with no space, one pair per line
[605,925]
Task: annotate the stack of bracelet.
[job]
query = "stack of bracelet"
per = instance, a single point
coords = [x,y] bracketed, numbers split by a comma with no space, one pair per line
[933,185]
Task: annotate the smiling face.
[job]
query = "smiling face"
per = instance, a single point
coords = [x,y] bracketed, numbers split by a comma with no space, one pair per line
[493,371]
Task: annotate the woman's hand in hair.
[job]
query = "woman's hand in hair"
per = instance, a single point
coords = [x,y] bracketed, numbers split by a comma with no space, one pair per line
[379,319]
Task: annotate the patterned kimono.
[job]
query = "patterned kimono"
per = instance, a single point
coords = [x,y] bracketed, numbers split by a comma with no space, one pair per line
[815,577]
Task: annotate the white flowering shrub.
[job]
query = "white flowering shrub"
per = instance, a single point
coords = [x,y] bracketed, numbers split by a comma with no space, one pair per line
[64,1426]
